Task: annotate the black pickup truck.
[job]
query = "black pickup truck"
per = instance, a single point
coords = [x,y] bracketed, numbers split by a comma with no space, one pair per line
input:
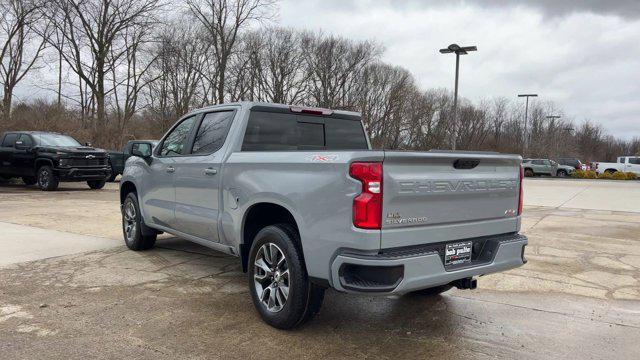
[47,158]
[117,159]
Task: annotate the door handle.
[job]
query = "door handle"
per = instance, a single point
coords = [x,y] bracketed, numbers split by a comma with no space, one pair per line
[210,171]
[171,169]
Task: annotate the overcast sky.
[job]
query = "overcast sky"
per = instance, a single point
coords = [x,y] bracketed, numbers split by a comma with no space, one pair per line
[584,55]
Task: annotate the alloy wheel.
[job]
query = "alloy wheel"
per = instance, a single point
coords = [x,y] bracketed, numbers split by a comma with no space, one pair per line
[271,277]
[129,222]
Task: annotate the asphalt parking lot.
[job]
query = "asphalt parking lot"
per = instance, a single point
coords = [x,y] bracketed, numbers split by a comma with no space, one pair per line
[69,288]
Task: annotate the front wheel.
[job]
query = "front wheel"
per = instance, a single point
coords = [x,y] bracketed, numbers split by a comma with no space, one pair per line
[280,288]
[96,184]
[132,225]
[113,175]
[47,179]
[528,172]
[561,173]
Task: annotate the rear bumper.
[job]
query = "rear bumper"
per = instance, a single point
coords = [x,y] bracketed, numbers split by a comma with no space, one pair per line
[83,174]
[410,269]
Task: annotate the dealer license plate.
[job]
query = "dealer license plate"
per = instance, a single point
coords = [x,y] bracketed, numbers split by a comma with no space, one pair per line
[458,253]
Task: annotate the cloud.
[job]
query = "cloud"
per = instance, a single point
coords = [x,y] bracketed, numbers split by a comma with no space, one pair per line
[586,61]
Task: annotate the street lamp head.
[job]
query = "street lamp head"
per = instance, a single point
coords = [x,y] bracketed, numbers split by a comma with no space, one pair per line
[527,95]
[459,50]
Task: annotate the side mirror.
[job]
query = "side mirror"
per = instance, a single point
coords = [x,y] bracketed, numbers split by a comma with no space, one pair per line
[142,151]
[87,144]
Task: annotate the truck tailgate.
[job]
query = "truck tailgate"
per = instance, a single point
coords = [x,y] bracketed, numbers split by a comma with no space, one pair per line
[431,197]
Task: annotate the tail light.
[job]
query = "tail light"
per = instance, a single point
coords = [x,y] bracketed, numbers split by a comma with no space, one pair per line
[367,207]
[520,200]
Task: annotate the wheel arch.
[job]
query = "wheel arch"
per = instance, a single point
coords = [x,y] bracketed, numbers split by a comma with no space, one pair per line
[126,188]
[258,216]
[40,162]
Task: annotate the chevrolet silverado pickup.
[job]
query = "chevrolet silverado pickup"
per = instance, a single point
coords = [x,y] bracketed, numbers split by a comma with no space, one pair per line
[47,158]
[624,164]
[299,196]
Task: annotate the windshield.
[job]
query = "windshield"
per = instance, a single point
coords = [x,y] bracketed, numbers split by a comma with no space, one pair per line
[56,140]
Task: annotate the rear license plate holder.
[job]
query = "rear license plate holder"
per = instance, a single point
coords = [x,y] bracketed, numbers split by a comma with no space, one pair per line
[458,253]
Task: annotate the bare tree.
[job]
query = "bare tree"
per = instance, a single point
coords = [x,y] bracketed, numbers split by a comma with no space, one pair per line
[22,45]
[93,31]
[223,20]
[334,65]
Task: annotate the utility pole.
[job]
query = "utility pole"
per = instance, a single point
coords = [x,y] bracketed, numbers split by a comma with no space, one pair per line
[458,50]
[526,120]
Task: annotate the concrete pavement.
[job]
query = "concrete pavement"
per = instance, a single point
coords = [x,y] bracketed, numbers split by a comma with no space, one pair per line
[578,296]
[608,195]
[20,243]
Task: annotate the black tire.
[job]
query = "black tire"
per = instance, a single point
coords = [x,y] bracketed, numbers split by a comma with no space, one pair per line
[611,171]
[433,291]
[133,237]
[29,180]
[47,179]
[528,173]
[561,173]
[96,184]
[304,298]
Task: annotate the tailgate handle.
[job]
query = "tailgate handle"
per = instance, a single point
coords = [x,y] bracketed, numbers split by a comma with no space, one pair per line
[466,164]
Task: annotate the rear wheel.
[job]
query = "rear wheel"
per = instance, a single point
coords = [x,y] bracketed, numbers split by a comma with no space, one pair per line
[561,173]
[528,172]
[132,225]
[47,179]
[280,288]
[433,291]
[96,184]
[610,171]
[29,180]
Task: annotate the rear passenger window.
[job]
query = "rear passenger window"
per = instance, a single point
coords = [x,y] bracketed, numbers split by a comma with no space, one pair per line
[268,131]
[212,132]
[9,140]
[635,161]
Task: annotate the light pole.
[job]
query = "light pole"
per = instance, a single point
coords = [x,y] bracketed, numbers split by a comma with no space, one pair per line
[526,118]
[555,135]
[458,50]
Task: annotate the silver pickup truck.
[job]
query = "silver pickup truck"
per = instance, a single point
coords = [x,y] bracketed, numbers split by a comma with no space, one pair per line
[299,196]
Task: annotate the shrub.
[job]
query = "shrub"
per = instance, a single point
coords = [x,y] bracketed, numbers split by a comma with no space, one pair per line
[619,175]
[584,174]
[631,176]
[605,175]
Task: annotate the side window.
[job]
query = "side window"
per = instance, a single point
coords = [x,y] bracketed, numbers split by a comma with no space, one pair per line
[546,162]
[26,141]
[175,142]
[9,140]
[536,162]
[212,132]
[635,161]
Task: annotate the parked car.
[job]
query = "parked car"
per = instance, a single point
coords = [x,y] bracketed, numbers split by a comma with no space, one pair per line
[573,162]
[623,163]
[117,159]
[299,196]
[47,158]
[533,167]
